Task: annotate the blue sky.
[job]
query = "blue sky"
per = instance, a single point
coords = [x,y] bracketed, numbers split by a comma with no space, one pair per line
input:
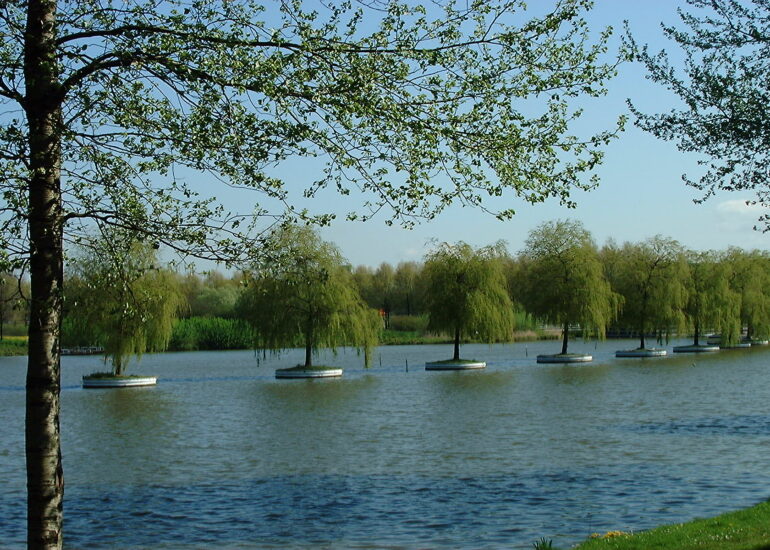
[641,193]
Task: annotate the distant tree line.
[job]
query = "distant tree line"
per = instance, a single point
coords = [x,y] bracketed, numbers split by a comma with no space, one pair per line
[561,279]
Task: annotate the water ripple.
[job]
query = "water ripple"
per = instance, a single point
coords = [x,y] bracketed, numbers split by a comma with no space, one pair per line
[382,511]
[738,425]
[221,454]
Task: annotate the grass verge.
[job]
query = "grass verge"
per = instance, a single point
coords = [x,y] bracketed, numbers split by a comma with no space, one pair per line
[13,345]
[747,529]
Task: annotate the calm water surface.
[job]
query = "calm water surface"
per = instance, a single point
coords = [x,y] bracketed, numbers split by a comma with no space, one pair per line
[222,454]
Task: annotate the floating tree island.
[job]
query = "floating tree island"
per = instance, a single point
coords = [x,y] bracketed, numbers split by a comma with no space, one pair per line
[110,380]
[700,348]
[565,358]
[301,371]
[641,352]
[455,364]
[738,345]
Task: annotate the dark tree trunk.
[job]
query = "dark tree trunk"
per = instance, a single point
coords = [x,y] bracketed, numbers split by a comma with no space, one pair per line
[456,356]
[565,338]
[309,344]
[697,333]
[45,482]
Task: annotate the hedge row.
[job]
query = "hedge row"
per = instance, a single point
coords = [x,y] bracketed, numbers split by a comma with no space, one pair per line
[210,333]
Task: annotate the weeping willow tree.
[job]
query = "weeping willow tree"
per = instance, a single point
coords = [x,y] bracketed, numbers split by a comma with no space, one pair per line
[712,304]
[466,293]
[750,279]
[651,276]
[122,299]
[303,294]
[564,282]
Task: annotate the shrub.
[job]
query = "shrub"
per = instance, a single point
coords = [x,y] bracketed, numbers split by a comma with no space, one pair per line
[409,323]
[210,333]
[13,346]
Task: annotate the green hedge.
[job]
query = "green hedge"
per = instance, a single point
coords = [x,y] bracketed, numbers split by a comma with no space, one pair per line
[408,323]
[13,346]
[210,333]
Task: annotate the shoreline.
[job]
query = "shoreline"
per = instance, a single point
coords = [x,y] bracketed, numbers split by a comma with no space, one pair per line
[746,528]
[15,348]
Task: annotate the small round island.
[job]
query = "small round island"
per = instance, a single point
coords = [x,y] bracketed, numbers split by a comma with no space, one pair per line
[301,371]
[641,352]
[103,380]
[565,358]
[737,345]
[700,348]
[455,364]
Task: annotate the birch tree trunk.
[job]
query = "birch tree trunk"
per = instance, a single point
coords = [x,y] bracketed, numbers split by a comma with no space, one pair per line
[45,482]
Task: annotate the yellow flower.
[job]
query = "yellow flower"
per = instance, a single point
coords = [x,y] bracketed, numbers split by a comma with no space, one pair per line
[613,534]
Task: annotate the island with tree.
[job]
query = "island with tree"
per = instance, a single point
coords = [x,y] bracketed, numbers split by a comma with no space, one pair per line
[466,293]
[303,294]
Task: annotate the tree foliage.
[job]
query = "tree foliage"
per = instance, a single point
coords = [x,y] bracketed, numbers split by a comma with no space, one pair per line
[110,111]
[651,277]
[749,274]
[408,290]
[712,304]
[142,92]
[13,300]
[466,293]
[724,90]
[564,282]
[123,299]
[304,295]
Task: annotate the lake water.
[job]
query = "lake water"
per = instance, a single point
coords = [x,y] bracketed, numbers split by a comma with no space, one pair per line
[221,454]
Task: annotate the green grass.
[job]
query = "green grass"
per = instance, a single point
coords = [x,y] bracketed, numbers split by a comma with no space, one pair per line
[13,345]
[408,337]
[747,529]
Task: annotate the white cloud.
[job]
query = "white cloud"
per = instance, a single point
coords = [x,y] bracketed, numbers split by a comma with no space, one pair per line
[738,208]
[737,216]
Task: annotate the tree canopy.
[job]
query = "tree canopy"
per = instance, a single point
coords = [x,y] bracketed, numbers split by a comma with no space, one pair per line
[305,295]
[651,277]
[140,95]
[749,274]
[122,299]
[724,90]
[712,303]
[466,293]
[563,281]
